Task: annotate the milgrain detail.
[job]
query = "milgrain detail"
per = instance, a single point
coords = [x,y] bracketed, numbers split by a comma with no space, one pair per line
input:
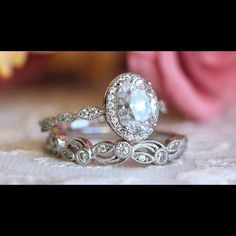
[82,152]
[90,113]
[65,118]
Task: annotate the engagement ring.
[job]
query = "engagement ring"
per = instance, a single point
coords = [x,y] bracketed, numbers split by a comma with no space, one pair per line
[131,109]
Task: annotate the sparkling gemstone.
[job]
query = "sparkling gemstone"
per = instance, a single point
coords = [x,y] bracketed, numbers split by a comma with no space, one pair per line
[123,149]
[83,157]
[102,148]
[136,105]
[161,157]
[90,113]
[142,158]
[174,146]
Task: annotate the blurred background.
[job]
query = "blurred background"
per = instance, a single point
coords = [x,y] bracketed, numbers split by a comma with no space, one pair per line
[198,86]
[77,68]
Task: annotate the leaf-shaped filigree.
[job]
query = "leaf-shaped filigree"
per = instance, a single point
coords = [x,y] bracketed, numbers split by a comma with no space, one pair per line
[109,153]
[161,156]
[82,152]
[90,113]
[63,118]
[148,152]
[175,149]
[143,157]
[83,156]
[78,150]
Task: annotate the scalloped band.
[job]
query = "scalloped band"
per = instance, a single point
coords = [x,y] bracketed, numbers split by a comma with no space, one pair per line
[160,149]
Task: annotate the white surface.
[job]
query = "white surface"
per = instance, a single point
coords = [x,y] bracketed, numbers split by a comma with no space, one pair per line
[209,159]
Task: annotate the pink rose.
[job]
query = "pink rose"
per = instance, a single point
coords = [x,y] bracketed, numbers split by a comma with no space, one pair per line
[201,85]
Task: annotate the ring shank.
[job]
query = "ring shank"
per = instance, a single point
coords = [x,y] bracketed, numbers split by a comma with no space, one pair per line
[89,137]
[97,130]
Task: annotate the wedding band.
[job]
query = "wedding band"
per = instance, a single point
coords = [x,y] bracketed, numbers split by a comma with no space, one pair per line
[131,109]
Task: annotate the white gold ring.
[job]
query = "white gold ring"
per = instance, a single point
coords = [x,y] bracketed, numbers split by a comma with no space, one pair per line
[131,109]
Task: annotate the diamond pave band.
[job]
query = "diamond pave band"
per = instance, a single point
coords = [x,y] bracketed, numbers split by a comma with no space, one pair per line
[131,109]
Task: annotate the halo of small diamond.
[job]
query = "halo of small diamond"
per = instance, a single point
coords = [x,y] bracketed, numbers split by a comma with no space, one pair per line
[110,110]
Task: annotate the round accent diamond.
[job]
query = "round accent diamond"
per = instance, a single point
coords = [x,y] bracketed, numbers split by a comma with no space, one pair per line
[136,107]
[123,149]
[83,157]
[142,158]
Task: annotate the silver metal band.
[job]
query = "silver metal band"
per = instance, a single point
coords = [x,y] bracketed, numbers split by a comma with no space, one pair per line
[74,142]
[131,110]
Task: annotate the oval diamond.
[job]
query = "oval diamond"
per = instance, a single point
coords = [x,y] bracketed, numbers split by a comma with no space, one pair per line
[135,107]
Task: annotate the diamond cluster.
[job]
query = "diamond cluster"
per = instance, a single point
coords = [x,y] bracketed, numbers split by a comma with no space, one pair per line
[131,107]
[90,113]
